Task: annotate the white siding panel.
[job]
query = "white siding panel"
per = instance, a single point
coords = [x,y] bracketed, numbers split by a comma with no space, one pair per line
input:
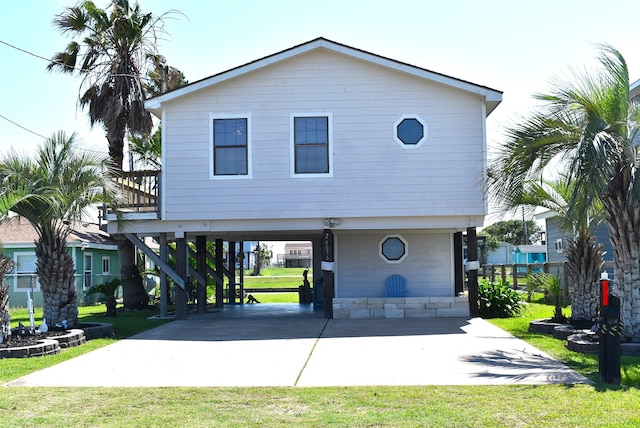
[442,177]
[362,272]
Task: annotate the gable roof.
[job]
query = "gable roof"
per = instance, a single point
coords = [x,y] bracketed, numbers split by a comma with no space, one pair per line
[18,232]
[492,97]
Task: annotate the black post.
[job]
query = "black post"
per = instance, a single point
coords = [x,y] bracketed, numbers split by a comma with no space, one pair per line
[231,298]
[220,272]
[609,332]
[458,263]
[328,271]
[472,271]
[181,270]
[201,267]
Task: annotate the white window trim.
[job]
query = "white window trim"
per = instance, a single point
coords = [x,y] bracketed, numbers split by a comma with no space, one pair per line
[406,249]
[85,271]
[410,146]
[292,145]
[212,117]
[108,260]
[36,286]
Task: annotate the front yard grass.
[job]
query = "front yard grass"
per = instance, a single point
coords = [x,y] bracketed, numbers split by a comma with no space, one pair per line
[595,405]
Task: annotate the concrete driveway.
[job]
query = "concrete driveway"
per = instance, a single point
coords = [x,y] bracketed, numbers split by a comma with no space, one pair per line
[238,348]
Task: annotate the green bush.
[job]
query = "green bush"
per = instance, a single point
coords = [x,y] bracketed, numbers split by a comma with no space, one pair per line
[498,300]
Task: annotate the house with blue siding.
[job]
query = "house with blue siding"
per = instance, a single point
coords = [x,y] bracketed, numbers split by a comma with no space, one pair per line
[94,254]
[376,162]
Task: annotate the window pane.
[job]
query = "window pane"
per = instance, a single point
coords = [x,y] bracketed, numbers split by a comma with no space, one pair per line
[230,161]
[311,137]
[393,249]
[230,146]
[312,130]
[312,159]
[410,131]
[25,268]
[230,132]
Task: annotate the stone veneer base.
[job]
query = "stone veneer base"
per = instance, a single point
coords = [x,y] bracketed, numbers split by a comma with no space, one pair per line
[401,307]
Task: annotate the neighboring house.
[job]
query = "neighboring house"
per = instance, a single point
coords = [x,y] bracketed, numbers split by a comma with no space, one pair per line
[378,163]
[501,255]
[298,254]
[94,254]
[634,91]
[557,239]
[526,254]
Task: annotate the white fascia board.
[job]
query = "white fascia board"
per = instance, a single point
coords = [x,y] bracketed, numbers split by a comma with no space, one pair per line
[546,214]
[91,246]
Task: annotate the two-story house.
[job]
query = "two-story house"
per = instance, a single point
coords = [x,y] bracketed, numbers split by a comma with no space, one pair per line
[380,164]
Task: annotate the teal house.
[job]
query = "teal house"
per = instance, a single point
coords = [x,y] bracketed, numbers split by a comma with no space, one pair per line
[94,253]
[528,254]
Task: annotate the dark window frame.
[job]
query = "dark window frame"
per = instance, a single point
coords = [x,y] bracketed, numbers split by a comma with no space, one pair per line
[218,149]
[323,143]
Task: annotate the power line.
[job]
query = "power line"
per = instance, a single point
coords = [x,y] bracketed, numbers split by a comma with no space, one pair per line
[84,70]
[46,138]
[20,126]
[22,50]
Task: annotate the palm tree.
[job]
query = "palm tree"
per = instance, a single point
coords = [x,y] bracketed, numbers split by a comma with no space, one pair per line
[5,317]
[585,257]
[589,128]
[116,45]
[55,188]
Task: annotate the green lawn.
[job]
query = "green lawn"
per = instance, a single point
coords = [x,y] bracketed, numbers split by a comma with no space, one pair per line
[595,405]
[277,278]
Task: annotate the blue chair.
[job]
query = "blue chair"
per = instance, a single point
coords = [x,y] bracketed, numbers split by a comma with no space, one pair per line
[396,286]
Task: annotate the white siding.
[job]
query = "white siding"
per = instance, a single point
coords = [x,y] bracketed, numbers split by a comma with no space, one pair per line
[428,266]
[372,174]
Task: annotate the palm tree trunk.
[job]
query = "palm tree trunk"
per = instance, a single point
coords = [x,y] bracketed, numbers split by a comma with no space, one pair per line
[585,259]
[5,318]
[134,294]
[624,232]
[55,270]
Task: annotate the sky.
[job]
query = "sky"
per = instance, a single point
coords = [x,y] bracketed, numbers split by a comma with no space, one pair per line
[511,46]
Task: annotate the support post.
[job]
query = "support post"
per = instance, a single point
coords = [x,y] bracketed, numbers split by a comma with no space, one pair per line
[458,263]
[201,267]
[231,299]
[241,273]
[220,272]
[328,269]
[164,289]
[472,271]
[181,270]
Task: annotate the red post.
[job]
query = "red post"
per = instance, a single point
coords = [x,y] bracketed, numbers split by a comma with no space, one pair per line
[604,289]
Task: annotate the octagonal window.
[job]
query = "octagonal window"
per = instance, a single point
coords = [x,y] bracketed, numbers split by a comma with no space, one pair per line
[393,249]
[410,131]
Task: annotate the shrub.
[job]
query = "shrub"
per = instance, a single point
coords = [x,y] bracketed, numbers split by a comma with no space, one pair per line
[498,300]
[552,286]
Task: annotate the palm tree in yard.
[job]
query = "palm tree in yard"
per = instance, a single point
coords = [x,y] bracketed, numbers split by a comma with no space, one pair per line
[589,129]
[53,189]
[114,49]
[585,257]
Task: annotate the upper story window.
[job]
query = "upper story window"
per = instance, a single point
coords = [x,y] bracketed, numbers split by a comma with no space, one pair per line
[410,131]
[312,143]
[231,146]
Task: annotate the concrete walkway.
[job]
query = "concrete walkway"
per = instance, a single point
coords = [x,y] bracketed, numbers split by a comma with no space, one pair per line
[244,348]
